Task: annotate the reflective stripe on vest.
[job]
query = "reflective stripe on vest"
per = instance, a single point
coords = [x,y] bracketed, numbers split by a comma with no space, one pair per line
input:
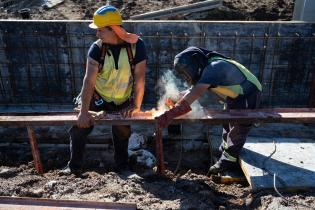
[229,157]
[115,85]
[234,90]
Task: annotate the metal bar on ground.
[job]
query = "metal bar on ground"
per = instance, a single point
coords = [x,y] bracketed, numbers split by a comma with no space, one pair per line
[35,151]
[196,7]
[11,203]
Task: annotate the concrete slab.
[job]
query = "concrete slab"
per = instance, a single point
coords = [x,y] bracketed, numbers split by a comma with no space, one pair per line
[291,159]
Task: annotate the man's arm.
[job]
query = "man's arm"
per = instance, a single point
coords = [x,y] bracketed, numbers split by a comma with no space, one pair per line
[195,92]
[85,120]
[182,106]
[139,82]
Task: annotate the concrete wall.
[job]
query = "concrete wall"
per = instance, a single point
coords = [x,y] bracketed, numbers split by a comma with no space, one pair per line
[43,62]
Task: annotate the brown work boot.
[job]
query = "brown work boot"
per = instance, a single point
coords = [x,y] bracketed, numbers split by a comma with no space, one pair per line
[222,166]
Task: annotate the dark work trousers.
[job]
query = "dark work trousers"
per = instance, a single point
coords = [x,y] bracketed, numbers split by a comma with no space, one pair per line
[234,135]
[120,136]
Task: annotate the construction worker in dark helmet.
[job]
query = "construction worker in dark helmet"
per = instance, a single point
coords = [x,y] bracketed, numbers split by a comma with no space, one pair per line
[113,82]
[211,71]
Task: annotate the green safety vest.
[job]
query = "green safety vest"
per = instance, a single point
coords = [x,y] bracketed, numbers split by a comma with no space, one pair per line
[115,85]
[234,91]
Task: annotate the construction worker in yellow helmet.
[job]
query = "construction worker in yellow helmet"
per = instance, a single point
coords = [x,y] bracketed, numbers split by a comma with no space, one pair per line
[113,82]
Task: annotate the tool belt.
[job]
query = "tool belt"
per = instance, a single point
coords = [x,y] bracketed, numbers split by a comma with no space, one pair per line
[98,100]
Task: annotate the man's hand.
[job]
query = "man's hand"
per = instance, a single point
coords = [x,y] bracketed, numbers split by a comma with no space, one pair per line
[132,111]
[85,120]
[170,103]
[182,107]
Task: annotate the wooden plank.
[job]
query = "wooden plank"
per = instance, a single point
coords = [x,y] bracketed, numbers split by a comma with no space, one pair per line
[51,204]
[196,7]
[209,117]
[291,159]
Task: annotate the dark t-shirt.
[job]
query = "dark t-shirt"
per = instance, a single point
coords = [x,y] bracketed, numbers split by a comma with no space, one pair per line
[221,73]
[95,50]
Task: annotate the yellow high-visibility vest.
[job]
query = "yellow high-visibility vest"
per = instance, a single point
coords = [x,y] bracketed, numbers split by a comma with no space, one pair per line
[115,85]
[234,91]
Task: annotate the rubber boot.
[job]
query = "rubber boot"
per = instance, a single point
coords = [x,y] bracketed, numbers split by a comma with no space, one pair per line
[222,166]
[121,134]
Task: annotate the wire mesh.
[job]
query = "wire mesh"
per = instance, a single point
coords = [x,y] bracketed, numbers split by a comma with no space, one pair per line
[48,66]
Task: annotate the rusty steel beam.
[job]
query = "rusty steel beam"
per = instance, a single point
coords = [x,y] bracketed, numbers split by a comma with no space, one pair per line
[276,115]
[35,151]
[11,203]
[159,150]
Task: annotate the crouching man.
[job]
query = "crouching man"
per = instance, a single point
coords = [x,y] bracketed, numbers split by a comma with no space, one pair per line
[207,71]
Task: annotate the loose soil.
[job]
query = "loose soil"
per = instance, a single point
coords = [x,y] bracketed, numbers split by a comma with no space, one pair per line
[99,181]
[84,9]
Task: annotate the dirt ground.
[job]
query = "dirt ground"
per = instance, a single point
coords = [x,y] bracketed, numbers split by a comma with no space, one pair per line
[84,9]
[99,182]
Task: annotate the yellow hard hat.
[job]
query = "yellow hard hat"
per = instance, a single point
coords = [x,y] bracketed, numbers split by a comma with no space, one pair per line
[106,16]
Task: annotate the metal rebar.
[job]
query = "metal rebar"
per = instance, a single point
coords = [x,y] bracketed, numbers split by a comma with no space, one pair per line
[45,78]
[234,44]
[10,89]
[157,66]
[13,203]
[312,86]
[159,149]
[273,70]
[35,151]
[263,59]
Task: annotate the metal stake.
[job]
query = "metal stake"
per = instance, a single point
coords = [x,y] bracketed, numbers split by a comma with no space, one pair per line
[35,152]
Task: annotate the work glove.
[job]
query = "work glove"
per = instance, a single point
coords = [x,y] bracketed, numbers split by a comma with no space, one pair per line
[180,108]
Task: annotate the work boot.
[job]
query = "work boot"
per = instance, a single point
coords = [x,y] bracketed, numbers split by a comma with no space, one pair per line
[222,166]
[68,171]
[122,168]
